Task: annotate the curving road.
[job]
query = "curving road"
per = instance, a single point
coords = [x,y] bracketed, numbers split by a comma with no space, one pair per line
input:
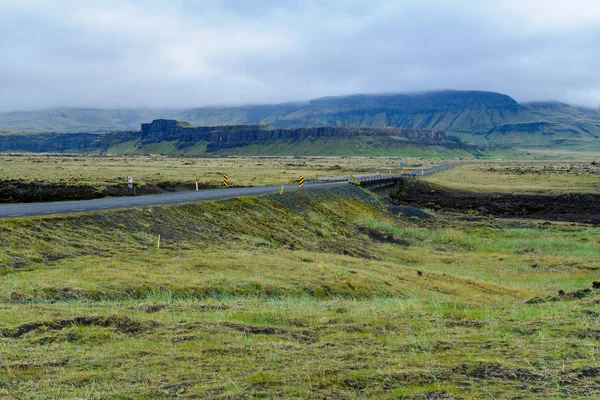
[68,207]
[109,203]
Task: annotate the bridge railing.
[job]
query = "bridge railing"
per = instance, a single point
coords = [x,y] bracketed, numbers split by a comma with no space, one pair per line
[379,177]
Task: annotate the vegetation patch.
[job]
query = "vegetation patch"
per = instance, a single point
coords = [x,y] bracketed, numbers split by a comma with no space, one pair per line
[326,293]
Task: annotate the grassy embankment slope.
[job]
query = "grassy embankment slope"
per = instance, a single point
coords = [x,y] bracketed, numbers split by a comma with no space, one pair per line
[310,294]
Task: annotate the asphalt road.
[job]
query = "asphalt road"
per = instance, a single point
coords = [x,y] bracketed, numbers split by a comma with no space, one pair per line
[69,207]
[110,203]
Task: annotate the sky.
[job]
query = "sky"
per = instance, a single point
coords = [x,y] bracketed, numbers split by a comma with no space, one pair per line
[184,53]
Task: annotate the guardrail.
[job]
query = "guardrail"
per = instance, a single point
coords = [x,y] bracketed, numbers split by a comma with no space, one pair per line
[377,177]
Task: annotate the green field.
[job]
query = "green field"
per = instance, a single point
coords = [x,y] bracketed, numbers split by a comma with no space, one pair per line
[316,294]
[242,171]
[356,146]
[523,177]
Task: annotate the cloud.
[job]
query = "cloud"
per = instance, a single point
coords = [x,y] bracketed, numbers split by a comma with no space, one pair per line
[186,53]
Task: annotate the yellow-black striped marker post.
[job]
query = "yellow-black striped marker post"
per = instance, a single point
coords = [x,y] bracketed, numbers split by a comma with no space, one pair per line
[301,182]
[225,180]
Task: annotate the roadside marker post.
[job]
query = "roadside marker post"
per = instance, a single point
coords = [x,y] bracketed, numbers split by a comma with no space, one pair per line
[225,180]
[281,191]
[196,186]
[301,182]
[158,242]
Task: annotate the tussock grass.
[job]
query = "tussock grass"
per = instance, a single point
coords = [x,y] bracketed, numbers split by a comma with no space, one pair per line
[310,295]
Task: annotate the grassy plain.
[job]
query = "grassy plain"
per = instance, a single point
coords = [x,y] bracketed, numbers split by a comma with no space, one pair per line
[315,294]
[523,177]
[242,171]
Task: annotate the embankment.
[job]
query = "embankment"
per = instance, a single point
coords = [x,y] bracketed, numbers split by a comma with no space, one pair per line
[571,207]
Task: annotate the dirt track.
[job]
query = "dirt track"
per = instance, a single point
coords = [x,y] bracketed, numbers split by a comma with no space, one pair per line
[572,207]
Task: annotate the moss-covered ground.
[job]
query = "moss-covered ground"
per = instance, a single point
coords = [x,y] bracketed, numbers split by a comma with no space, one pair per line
[320,294]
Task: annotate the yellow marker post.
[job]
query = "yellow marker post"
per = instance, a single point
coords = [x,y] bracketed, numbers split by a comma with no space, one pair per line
[225,180]
[281,191]
[301,182]
[158,242]
[196,186]
[351,176]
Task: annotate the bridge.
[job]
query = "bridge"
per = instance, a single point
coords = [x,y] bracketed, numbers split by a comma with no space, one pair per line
[373,181]
[376,181]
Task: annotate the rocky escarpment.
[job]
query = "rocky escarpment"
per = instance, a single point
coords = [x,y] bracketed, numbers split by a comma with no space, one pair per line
[181,136]
[49,142]
[226,137]
[63,142]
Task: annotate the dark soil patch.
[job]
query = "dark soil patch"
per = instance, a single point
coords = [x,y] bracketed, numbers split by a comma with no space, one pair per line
[210,307]
[151,308]
[497,371]
[254,329]
[409,212]
[121,324]
[434,396]
[565,296]
[384,238]
[304,336]
[589,334]
[18,191]
[572,207]
[589,372]
[465,323]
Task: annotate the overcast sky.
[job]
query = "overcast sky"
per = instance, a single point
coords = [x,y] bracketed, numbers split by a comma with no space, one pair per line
[178,53]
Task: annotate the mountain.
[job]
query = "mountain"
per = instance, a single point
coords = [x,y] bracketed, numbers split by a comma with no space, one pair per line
[476,117]
[483,118]
[80,119]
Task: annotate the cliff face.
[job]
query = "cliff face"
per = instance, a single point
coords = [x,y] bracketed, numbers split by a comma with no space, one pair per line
[63,142]
[226,137]
[217,138]
[50,143]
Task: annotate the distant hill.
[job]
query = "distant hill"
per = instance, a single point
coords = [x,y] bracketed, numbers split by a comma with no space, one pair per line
[476,117]
[80,119]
